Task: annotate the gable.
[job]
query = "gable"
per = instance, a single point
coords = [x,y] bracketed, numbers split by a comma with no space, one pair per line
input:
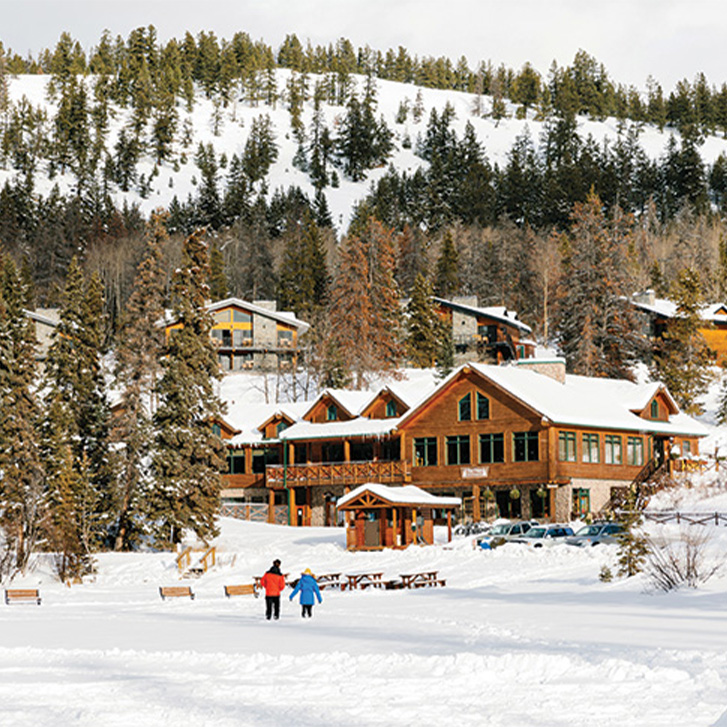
[382,404]
[321,411]
[660,407]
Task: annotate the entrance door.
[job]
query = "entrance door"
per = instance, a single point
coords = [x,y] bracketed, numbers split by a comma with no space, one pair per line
[372,532]
[658,450]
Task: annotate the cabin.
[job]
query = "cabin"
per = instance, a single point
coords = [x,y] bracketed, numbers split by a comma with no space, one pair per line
[393,517]
[45,321]
[492,334]
[252,336]
[656,313]
[517,440]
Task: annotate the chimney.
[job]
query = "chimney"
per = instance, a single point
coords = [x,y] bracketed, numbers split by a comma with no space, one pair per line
[551,367]
[271,305]
[648,297]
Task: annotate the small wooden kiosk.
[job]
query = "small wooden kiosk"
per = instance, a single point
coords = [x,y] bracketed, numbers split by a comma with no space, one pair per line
[393,517]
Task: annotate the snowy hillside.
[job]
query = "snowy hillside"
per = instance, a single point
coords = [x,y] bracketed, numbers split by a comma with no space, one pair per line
[497,138]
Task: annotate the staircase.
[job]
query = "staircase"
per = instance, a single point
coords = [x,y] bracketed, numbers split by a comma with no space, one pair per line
[648,481]
[190,566]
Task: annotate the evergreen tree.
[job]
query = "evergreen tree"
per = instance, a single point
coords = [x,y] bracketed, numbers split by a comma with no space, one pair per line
[188,457]
[219,286]
[447,270]
[682,357]
[22,501]
[138,354]
[423,325]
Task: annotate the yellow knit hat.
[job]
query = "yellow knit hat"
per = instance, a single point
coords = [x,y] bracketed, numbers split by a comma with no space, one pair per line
[307,572]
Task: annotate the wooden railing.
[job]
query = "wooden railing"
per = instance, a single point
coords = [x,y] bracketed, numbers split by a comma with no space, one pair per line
[690,518]
[184,560]
[337,473]
[253,511]
[209,559]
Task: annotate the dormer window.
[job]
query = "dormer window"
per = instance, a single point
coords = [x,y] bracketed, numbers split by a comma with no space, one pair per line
[391,408]
[465,408]
[217,430]
[654,409]
[282,426]
[332,413]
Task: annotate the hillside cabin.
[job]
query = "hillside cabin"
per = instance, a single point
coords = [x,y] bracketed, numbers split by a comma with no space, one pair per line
[492,334]
[393,517]
[252,336]
[517,440]
[657,312]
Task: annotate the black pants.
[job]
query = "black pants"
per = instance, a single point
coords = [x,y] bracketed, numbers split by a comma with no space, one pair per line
[272,607]
[307,610]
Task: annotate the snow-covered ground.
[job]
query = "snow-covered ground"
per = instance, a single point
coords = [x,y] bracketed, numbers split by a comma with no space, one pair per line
[517,637]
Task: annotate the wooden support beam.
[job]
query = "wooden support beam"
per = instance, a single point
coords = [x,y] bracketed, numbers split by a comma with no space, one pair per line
[476,514]
[271,506]
[449,526]
[346,450]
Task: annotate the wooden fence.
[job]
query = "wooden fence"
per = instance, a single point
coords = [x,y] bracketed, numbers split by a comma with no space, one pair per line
[686,518]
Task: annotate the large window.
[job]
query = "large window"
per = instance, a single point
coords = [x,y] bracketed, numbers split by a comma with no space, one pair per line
[241,316]
[221,316]
[465,408]
[654,409]
[391,408]
[635,451]
[590,449]
[236,464]
[525,446]
[567,446]
[581,501]
[458,449]
[612,449]
[332,413]
[483,406]
[492,448]
[425,452]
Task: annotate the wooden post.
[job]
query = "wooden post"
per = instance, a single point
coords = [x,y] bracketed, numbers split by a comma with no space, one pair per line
[552,492]
[346,450]
[291,453]
[476,514]
[308,507]
[292,514]
[395,520]
[414,525]
[449,525]
[271,506]
[552,452]
[248,461]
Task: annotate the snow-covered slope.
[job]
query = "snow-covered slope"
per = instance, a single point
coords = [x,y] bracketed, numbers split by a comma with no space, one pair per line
[497,138]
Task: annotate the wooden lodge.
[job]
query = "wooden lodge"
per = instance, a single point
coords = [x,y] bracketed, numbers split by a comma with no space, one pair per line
[252,335]
[491,334]
[516,440]
[393,517]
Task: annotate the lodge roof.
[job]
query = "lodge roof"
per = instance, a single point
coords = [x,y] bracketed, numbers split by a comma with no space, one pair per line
[498,313]
[408,495]
[665,308]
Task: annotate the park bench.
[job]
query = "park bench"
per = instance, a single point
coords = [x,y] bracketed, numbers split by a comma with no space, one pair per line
[176,592]
[244,589]
[22,595]
[360,581]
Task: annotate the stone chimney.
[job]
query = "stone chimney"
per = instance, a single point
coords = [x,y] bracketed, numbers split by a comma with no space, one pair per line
[551,367]
[647,297]
[271,305]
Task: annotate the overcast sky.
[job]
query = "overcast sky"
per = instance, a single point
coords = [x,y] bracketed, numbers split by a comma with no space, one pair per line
[669,39]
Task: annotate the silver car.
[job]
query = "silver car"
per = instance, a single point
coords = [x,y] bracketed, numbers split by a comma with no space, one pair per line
[596,534]
[544,536]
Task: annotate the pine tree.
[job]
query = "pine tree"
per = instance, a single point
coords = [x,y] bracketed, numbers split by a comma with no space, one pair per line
[447,270]
[632,546]
[22,501]
[219,286]
[682,357]
[423,325]
[138,354]
[188,457]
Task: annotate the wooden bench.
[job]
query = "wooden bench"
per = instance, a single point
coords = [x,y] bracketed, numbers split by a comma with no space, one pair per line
[176,592]
[244,589]
[422,580]
[22,595]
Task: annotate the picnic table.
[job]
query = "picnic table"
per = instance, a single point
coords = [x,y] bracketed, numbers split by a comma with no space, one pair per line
[329,580]
[257,580]
[421,580]
[364,580]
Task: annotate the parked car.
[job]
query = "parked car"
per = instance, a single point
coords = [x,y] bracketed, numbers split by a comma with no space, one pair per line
[544,535]
[502,532]
[478,528]
[596,534]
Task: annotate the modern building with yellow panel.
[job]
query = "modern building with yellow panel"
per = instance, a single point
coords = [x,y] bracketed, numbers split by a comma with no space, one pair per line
[253,335]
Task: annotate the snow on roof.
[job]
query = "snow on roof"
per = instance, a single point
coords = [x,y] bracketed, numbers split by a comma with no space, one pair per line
[713,312]
[359,427]
[586,401]
[406,495]
[287,317]
[45,319]
[497,312]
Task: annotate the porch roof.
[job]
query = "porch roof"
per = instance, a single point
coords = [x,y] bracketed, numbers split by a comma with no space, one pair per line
[406,496]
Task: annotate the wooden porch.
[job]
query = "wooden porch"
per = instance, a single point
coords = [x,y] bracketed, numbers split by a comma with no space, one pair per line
[337,473]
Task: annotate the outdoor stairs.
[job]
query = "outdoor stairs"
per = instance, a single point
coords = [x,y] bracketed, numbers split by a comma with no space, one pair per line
[194,567]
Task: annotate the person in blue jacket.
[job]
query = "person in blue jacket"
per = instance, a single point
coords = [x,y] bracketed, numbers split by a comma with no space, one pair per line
[308,589]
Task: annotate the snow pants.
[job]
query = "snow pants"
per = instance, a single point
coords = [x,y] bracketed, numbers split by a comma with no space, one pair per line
[272,607]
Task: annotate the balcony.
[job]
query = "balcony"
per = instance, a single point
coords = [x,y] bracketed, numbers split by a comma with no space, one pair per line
[338,473]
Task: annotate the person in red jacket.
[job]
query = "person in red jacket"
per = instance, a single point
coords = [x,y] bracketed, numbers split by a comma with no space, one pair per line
[273,582]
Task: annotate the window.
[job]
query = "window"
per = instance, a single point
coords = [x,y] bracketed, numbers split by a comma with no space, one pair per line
[236,464]
[458,449]
[222,336]
[635,451]
[391,408]
[425,452]
[240,316]
[465,408]
[217,430]
[285,338]
[590,449]
[483,406]
[492,448]
[654,409]
[525,446]
[221,316]
[686,448]
[613,449]
[281,427]
[567,446]
[332,413]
